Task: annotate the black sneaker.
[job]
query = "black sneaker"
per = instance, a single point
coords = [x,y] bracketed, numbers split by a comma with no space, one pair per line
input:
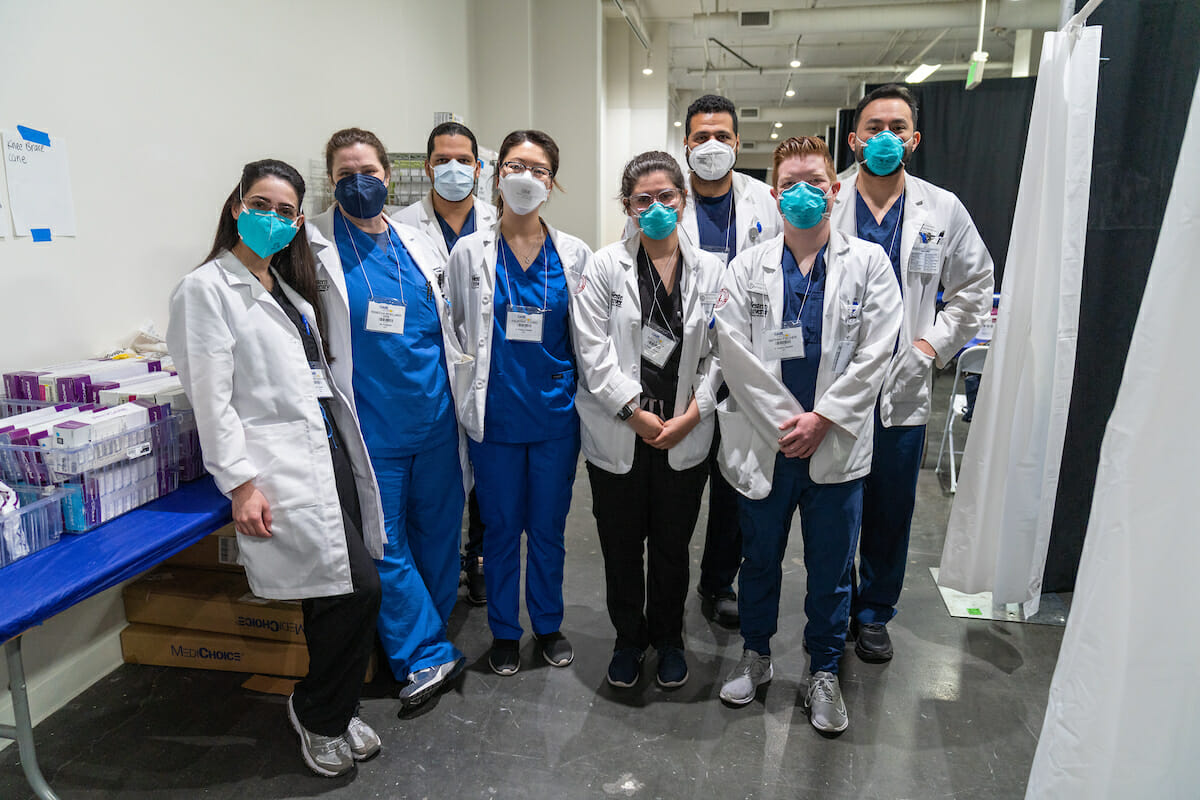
[626,667]
[720,607]
[555,649]
[505,657]
[672,668]
[871,641]
[476,585]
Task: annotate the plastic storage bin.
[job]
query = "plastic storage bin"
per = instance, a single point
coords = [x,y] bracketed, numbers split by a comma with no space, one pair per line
[38,523]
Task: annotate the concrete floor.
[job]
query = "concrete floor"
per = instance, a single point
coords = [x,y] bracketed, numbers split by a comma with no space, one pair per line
[956,714]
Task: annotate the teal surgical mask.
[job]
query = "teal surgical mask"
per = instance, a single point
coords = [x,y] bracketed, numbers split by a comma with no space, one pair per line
[265,232]
[803,205]
[658,221]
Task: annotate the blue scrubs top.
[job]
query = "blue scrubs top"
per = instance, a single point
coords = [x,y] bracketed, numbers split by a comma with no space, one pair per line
[531,385]
[800,374]
[886,234]
[401,386]
[717,219]
[448,233]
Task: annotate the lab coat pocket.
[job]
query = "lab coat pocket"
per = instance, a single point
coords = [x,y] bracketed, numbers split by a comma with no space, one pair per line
[287,476]
[910,380]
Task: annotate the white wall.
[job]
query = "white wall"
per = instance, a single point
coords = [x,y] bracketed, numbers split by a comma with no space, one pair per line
[537,64]
[636,112]
[160,105]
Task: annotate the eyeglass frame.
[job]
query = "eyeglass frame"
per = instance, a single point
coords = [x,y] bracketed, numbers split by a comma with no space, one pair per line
[653,198]
[518,167]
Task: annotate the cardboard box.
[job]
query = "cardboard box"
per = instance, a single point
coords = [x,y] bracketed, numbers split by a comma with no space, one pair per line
[179,647]
[211,600]
[218,550]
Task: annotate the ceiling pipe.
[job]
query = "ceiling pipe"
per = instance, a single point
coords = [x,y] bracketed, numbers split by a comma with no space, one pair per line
[861,69]
[634,25]
[1036,14]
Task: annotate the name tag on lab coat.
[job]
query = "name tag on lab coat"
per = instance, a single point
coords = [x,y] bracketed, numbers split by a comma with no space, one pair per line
[320,380]
[657,345]
[759,303]
[524,324]
[385,316]
[926,259]
[786,342]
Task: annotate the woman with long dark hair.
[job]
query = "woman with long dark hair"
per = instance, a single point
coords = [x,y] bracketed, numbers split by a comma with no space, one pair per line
[247,336]
[511,290]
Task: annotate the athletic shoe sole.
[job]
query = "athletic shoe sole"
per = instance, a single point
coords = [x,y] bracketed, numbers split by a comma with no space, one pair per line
[671,684]
[419,698]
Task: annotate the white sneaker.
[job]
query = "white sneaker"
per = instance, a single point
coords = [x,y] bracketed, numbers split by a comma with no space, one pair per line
[363,740]
[328,756]
[751,672]
[826,710]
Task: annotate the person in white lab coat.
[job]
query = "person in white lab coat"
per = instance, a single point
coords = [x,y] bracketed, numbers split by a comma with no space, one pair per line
[512,291]
[726,213]
[395,351]
[450,211]
[646,405]
[282,442]
[805,324]
[930,240]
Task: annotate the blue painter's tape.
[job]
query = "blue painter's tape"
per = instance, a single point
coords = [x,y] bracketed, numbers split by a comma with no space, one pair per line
[30,135]
[40,234]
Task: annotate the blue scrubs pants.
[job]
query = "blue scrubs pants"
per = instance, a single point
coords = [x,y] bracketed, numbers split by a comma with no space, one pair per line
[830,516]
[524,488]
[889,496]
[422,511]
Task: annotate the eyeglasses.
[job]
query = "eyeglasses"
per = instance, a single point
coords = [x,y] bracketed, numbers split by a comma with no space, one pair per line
[516,168]
[259,203]
[668,197]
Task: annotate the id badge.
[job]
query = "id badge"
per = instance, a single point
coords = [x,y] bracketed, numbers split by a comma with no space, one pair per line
[320,380]
[708,301]
[657,345]
[385,315]
[786,342]
[760,303]
[926,259]
[842,356]
[524,324]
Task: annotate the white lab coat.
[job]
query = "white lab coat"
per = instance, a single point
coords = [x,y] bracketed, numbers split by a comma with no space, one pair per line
[470,285]
[966,276]
[758,403]
[243,367]
[420,215]
[331,287]
[608,341]
[753,208]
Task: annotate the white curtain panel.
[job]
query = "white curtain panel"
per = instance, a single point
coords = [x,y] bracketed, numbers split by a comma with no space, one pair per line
[1000,521]
[1124,713]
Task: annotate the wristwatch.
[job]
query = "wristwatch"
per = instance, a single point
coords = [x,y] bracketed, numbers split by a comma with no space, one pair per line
[626,411]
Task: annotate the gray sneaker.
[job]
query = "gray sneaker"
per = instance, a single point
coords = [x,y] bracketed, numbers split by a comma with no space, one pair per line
[363,740]
[826,710]
[424,683]
[751,672]
[329,756]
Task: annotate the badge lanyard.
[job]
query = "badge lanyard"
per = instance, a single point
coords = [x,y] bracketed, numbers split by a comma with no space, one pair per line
[788,340]
[658,345]
[522,323]
[384,315]
[728,230]
[896,230]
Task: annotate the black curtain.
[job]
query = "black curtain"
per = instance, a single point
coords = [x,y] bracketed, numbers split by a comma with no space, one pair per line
[1152,49]
[843,158]
[973,143]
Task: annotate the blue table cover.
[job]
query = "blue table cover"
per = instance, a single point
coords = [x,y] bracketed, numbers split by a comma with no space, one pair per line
[41,585]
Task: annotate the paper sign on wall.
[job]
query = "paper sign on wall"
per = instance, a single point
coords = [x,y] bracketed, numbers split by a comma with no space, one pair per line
[39,184]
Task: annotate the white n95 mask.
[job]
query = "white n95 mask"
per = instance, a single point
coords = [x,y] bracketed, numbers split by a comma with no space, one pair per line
[712,160]
[523,193]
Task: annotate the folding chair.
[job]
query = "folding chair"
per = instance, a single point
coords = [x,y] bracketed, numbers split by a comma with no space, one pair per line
[970,362]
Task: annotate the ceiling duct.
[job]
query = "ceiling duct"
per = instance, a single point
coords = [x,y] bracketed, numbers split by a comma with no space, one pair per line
[1034,14]
[754,20]
[749,113]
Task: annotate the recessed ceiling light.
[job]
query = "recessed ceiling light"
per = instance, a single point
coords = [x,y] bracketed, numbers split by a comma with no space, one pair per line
[921,73]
